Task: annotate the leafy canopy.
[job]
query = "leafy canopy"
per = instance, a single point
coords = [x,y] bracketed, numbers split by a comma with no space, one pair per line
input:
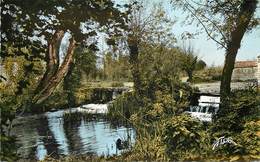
[36,20]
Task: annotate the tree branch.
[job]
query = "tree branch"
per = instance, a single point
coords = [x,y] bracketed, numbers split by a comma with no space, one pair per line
[203,25]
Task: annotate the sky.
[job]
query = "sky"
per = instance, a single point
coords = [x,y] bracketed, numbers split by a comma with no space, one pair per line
[207,49]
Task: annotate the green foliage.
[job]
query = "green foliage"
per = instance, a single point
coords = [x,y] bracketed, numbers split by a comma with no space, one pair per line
[116,67]
[65,15]
[149,144]
[237,120]
[247,143]
[182,137]
[83,95]
[242,106]
[8,111]
[189,60]
[84,64]
[15,69]
[200,65]
[168,103]
[249,138]
[210,74]
[165,134]
[85,61]
[123,107]
[159,69]
[34,35]
[8,148]
[117,84]
[57,100]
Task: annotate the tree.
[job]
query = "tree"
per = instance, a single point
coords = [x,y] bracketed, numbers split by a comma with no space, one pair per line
[189,61]
[146,27]
[14,71]
[225,22]
[84,63]
[160,68]
[116,68]
[200,65]
[42,25]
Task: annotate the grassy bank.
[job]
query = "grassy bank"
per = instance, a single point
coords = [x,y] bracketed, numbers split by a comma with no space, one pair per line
[165,134]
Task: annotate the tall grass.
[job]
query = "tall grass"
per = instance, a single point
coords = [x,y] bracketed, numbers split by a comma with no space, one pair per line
[123,107]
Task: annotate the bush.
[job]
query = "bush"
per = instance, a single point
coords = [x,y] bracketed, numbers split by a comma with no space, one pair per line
[117,84]
[242,106]
[149,145]
[235,119]
[184,137]
[200,79]
[8,148]
[249,138]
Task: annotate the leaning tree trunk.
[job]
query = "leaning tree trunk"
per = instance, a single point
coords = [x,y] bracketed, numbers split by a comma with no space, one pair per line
[246,13]
[68,87]
[54,73]
[52,59]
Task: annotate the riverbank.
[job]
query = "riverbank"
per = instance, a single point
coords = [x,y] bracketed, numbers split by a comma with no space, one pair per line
[154,121]
[127,157]
[89,92]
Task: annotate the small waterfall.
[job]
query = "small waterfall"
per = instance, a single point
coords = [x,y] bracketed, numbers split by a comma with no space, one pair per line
[204,109]
[197,109]
[216,109]
[207,109]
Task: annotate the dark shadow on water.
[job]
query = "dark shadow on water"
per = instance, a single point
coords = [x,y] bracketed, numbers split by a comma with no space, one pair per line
[48,139]
[57,137]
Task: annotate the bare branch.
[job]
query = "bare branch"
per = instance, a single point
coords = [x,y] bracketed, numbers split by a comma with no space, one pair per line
[205,28]
[208,19]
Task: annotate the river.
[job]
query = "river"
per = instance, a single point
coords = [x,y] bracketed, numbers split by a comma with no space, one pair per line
[50,134]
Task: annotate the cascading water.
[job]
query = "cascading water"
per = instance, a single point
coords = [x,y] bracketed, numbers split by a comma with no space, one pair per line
[208,105]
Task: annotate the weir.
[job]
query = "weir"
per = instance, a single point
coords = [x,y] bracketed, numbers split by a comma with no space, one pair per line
[104,95]
[206,106]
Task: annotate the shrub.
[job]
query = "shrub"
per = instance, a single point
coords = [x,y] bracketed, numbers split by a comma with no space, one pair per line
[117,84]
[183,137]
[242,106]
[149,145]
[249,138]
[8,148]
[233,120]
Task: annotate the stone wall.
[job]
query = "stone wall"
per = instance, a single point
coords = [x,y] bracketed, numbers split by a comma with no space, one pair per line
[258,70]
[247,70]
[243,74]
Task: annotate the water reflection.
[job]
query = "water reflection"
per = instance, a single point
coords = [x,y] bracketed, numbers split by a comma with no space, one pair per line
[48,134]
[46,143]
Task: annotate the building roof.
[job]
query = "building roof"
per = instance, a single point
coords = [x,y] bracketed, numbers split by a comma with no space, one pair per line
[245,64]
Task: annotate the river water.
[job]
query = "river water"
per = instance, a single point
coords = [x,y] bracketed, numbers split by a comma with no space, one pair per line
[49,134]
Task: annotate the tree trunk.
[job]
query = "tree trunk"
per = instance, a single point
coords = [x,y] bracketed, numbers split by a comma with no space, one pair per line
[247,10]
[225,86]
[55,79]
[68,87]
[52,59]
[190,74]
[134,61]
